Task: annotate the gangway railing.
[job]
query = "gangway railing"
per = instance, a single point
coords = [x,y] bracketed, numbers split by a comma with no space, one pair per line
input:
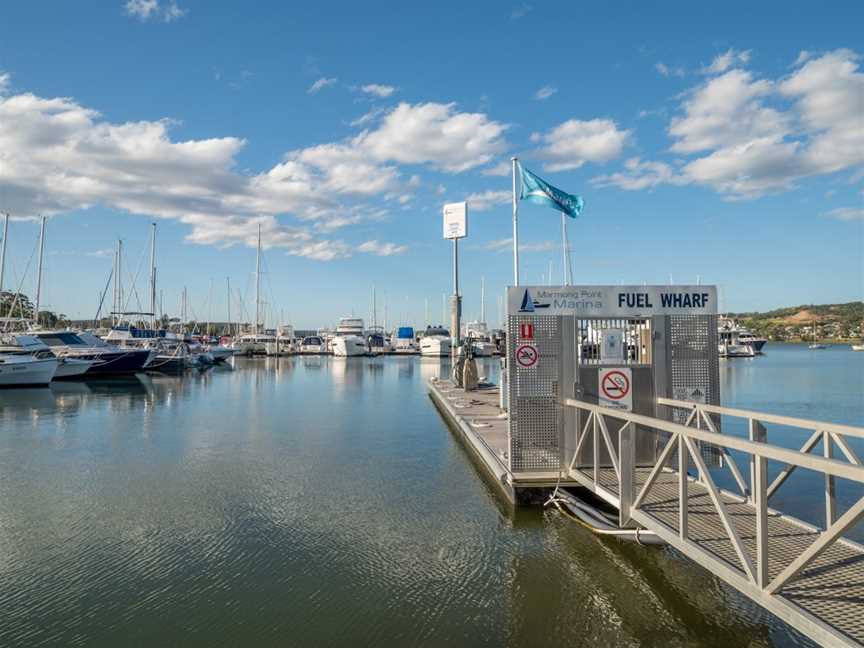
[811,577]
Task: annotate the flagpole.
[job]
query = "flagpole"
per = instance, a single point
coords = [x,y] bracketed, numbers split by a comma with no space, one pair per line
[515,161]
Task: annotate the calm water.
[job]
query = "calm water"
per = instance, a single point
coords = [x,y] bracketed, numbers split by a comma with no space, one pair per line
[321,501]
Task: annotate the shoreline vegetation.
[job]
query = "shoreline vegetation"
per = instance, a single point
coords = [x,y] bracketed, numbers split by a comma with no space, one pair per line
[837,323]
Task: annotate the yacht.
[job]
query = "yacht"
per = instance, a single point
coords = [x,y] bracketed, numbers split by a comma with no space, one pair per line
[108,359]
[405,340]
[481,343]
[252,343]
[743,335]
[18,344]
[313,344]
[377,341]
[349,339]
[435,342]
[23,369]
[730,345]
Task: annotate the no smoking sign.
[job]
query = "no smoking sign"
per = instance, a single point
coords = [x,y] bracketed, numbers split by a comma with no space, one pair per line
[616,388]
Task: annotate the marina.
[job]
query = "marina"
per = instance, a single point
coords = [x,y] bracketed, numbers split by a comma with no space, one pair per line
[167,508]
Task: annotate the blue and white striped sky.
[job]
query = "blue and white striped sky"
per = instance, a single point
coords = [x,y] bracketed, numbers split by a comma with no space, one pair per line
[723,142]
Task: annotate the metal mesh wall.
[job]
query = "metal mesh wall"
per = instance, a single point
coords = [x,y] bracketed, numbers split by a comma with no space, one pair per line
[695,360]
[535,423]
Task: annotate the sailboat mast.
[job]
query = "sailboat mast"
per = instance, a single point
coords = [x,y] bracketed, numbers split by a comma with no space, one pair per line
[39,271]
[258,284]
[228,280]
[483,299]
[153,277]
[374,308]
[3,253]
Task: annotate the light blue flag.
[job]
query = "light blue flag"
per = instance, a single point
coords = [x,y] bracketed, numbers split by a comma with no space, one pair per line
[537,190]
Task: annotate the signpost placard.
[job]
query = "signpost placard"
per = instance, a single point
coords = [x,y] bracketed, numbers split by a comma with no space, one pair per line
[616,389]
[526,356]
[456,220]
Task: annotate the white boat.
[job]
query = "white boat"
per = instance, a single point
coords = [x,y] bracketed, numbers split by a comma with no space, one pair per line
[18,370]
[349,339]
[313,345]
[858,347]
[377,342]
[816,345]
[252,343]
[404,340]
[481,344]
[730,346]
[743,335]
[435,342]
[20,344]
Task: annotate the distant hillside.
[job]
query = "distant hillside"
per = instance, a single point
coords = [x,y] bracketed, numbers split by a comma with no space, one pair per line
[832,321]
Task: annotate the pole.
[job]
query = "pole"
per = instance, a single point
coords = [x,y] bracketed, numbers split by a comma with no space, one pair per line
[258,283]
[119,276]
[3,253]
[114,298]
[515,162]
[153,278]
[483,299]
[228,280]
[39,271]
[455,302]
[374,308]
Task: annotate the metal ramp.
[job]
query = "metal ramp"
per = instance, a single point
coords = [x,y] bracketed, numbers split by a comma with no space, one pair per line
[812,578]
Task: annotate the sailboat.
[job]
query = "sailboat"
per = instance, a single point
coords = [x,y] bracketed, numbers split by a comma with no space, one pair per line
[255,342]
[815,344]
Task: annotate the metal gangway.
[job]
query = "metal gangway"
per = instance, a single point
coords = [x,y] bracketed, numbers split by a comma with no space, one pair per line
[812,577]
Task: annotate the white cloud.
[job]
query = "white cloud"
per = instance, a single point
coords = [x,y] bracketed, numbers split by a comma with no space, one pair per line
[846,214]
[488,199]
[501,169]
[754,136]
[639,175]
[381,249]
[545,92]
[145,10]
[320,84]
[5,82]
[573,143]
[521,11]
[667,71]
[728,59]
[435,134]
[506,245]
[368,117]
[378,90]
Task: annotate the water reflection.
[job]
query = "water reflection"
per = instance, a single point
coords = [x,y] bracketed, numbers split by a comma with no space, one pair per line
[307,501]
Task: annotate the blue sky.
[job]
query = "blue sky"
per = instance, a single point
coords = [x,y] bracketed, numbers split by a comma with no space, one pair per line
[725,143]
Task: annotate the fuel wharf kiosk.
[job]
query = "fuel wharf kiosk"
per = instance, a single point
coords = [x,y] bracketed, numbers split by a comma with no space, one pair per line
[615,346]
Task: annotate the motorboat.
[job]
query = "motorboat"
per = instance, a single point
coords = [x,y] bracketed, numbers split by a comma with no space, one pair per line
[349,339]
[858,347]
[313,345]
[20,344]
[743,335]
[108,359]
[405,340]
[481,343]
[23,369]
[729,346]
[252,343]
[435,342]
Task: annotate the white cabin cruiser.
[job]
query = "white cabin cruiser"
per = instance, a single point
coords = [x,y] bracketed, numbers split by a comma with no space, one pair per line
[252,343]
[730,345]
[19,344]
[313,344]
[481,343]
[23,369]
[435,342]
[349,340]
[405,340]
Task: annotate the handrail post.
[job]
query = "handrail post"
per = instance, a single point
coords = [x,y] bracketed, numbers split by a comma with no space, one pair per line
[627,466]
[757,433]
[760,502]
[596,435]
[683,461]
[830,500]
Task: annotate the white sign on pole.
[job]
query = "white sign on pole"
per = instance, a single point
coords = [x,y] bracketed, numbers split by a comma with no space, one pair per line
[456,220]
[612,349]
[615,388]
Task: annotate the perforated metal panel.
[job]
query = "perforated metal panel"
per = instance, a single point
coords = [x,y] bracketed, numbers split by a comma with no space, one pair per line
[694,360]
[535,425]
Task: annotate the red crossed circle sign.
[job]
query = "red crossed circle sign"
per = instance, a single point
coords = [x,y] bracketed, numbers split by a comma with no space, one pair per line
[615,385]
[526,355]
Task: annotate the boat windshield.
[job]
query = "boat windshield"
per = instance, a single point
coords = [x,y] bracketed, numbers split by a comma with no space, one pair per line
[312,341]
[60,339]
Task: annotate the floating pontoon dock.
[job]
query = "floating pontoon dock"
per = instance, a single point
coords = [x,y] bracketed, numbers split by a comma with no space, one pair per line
[615,390]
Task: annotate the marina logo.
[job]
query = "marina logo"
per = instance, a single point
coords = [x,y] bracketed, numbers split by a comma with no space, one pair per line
[529,304]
